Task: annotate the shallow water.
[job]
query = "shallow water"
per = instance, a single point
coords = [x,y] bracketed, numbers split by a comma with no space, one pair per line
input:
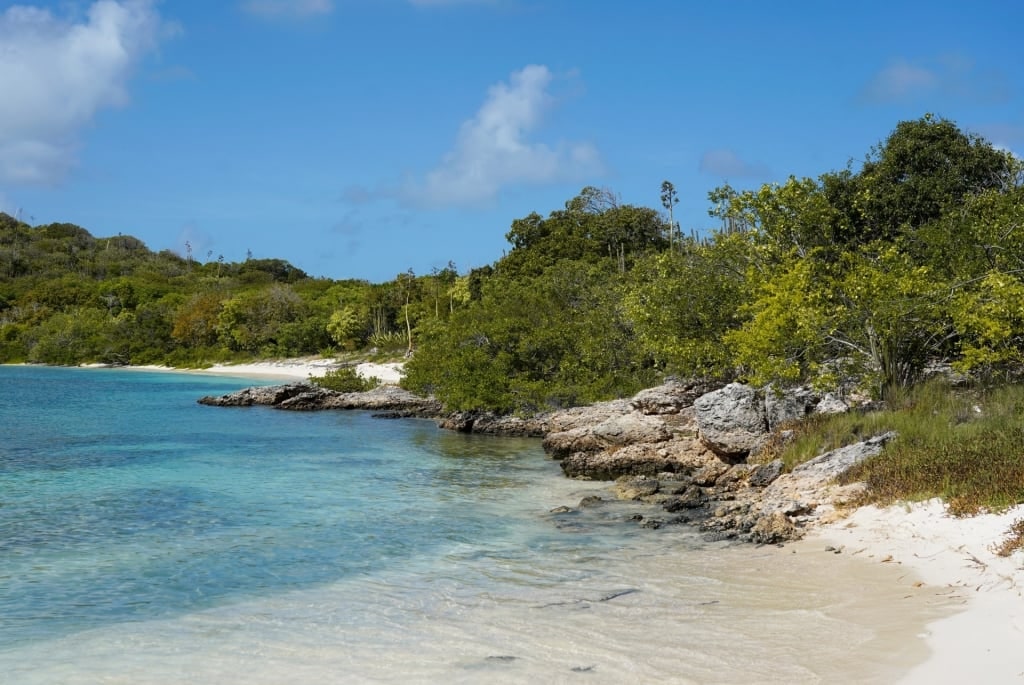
[147,539]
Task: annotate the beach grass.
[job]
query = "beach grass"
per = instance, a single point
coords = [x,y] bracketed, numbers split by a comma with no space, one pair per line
[962,444]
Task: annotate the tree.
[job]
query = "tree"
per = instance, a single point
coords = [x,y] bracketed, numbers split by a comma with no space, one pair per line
[874,314]
[923,168]
[680,304]
[669,200]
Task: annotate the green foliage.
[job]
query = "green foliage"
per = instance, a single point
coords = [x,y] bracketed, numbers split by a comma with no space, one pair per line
[553,340]
[345,326]
[344,379]
[681,303]
[962,445]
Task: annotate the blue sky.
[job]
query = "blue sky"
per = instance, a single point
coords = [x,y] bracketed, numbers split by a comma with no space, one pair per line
[362,138]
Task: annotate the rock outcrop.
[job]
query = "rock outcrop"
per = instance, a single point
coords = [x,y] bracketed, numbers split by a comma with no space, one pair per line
[688,453]
[308,397]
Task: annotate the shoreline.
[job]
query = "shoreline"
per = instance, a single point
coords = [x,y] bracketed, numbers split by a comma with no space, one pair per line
[950,559]
[389,373]
[954,558]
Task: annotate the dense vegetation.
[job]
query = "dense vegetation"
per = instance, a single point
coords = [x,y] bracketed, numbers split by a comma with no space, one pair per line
[871,272]
[861,278]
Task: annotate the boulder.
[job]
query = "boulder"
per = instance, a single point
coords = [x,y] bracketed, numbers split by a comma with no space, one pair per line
[773,528]
[593,414]
[617,431]
[831,403]
[490,423]
[832,464]
[670,397]
[786,406]
[762,475]
[636,488]
[731,420]
[661,460]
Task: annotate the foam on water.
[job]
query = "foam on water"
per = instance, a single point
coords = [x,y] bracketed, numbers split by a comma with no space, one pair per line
[146,539]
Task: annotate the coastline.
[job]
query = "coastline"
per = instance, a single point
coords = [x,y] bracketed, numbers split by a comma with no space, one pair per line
[278,370]
[952,558]
[947,559]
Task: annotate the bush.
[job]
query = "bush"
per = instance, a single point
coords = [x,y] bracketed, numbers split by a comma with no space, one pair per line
[345,379]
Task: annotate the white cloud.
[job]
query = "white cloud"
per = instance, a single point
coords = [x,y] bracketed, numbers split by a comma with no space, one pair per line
[727,164]
[899,80]
[493,149]
[953,76]
[56,75]
[298,9]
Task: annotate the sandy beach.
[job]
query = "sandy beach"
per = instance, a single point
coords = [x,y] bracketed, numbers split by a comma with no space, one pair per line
[951,558]
[284,369]
[302,369]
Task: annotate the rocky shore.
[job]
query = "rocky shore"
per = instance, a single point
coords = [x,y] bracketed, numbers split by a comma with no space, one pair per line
[696,453]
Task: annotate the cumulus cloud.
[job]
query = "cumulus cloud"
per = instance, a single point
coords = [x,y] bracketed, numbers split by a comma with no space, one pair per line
[954,76]
[493,149]
[55,75]
[299,9]
[727,164]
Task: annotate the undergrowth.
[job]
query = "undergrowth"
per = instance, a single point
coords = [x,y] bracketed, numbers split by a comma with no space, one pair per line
[345,379]
[965,445]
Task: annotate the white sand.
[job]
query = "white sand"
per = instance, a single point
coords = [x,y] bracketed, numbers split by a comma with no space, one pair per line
[301,369]
[283,369]
[953,558]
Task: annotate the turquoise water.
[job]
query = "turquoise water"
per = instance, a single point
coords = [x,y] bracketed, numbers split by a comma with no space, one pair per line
[121,499]
[147,539]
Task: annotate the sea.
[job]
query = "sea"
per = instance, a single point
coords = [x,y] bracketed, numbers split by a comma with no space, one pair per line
[145,538]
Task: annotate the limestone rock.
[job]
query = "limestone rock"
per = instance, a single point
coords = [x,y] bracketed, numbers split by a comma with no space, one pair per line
[658,460]
[270,395]
[670,397]
[616,431]
[832,464]
[576,417]
[731,420]
[495,424]
[831,403]
[786,406]
[773,528]
[636,488]
[763,474]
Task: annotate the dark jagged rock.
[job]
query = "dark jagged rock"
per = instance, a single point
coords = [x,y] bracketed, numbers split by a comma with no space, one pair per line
[763,474]
[490,423]
[270,395]
[308,397]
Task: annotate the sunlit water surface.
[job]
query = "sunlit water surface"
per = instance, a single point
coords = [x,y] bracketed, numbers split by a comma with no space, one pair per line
[147,539]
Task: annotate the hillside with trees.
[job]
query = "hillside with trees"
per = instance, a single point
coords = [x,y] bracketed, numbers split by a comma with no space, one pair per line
[872,272]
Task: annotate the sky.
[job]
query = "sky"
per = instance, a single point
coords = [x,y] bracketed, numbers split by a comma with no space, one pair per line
[364,138]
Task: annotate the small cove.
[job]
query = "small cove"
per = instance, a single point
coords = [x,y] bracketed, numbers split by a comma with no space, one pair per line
[148,539]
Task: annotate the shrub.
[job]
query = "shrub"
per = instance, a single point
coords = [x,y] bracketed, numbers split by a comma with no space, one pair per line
[345,379]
